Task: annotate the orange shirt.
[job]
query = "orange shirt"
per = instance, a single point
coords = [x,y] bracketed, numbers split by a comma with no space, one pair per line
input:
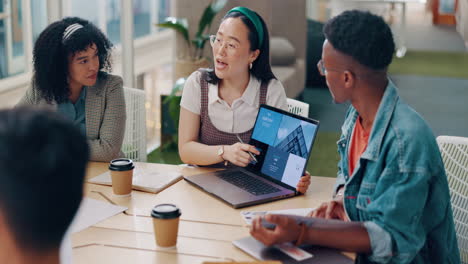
[358,145]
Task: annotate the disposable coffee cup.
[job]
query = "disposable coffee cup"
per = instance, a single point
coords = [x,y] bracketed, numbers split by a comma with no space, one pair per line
[166,224]
[121,171]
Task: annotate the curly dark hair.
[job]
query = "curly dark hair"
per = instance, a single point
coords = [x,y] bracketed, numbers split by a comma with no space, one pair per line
[50,55]
[363,36]
[261,67]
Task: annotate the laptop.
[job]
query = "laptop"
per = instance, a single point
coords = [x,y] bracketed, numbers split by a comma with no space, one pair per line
[284,141]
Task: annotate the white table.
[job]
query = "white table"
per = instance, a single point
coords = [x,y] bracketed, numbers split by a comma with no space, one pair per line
[207,227]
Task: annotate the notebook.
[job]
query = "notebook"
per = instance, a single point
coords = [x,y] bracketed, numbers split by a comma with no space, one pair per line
[144,180]
[284,141]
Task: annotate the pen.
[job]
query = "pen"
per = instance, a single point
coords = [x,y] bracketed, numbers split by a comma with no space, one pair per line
[241,141]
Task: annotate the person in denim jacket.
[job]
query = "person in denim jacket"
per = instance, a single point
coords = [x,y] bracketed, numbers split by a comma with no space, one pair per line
[392,202]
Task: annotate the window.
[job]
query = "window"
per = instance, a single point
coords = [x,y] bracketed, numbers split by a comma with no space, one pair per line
[87,9]
[107,15]
[12,59]
[113,21]
[142,18]
[38,17]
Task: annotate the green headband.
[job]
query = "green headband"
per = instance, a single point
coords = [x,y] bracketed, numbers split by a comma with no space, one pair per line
[253,18]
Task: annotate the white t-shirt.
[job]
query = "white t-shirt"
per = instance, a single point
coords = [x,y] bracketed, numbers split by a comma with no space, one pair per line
[241,115]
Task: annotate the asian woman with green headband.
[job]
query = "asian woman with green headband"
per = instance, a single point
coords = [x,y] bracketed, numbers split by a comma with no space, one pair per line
[220,105]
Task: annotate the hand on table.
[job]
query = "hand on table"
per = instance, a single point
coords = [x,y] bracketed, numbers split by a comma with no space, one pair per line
[331,210]
[286,230]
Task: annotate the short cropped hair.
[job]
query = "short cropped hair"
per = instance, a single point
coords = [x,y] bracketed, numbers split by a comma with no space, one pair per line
[51,52]
[363,36]
[42,165]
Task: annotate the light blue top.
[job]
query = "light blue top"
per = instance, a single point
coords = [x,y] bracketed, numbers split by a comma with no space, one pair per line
[75,112]
[399,188]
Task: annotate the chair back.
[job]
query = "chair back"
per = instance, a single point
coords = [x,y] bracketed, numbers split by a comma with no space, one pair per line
[454,152]
[298,107]
[134,143]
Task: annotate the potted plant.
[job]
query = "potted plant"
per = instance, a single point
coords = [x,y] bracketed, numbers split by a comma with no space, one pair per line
[184,66]
[170,117]
[193,58]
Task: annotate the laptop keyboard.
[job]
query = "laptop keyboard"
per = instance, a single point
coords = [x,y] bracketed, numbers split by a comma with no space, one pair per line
[248,183]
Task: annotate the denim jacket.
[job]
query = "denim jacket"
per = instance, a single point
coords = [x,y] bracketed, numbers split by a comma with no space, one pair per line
[399,188]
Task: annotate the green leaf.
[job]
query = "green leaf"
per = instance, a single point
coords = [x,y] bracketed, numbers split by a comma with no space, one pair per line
[208,15]
[198,42]
[178,24]
[218,5]
[174,110]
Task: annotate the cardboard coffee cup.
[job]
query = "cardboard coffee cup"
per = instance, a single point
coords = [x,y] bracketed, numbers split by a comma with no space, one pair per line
[166,224]
[121,171]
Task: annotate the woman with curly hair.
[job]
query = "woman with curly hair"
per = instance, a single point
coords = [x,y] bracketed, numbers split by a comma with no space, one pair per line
[71,61]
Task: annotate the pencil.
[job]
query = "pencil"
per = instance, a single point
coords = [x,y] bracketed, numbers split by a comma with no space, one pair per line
[241,141]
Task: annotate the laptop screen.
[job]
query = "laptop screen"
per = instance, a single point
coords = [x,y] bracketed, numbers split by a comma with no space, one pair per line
[285,141]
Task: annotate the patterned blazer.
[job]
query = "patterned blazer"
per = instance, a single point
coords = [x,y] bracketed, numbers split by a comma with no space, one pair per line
[105,115]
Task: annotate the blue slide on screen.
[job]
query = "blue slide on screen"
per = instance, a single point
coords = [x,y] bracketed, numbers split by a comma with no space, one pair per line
[267,126]
[275,163]
[286,142]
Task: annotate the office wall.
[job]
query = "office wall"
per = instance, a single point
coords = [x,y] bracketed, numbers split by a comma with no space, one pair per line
[192,10]
[283,12]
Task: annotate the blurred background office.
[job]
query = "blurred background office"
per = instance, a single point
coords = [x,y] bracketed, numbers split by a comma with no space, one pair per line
[430,66]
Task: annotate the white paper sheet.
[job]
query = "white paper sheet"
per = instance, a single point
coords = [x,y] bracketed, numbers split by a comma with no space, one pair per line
[91,212]
[248,216]
[66,255]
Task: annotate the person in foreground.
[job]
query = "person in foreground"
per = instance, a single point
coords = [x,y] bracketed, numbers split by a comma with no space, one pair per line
[217,105]
[71,58]
[42,168]
[392,202]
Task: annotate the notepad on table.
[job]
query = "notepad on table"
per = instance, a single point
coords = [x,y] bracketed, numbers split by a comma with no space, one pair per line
[144,180]
[318,255]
